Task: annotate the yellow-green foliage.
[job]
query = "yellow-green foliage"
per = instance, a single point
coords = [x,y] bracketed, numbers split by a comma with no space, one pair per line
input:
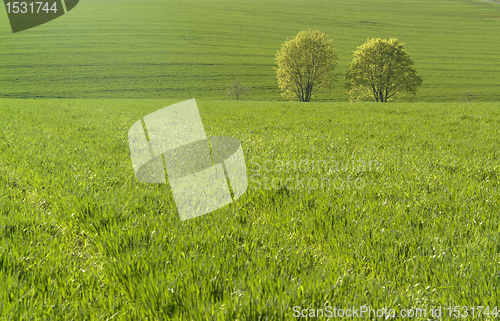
[380,71]
[305,65]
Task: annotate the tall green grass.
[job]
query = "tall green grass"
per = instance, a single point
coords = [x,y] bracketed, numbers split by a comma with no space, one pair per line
[82,239]
[184,49]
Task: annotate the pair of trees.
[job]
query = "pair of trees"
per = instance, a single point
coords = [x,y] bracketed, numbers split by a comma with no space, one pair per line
[380,71]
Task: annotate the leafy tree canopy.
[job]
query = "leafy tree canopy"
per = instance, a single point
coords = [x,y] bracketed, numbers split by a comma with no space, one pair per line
[381,71]
[305,65]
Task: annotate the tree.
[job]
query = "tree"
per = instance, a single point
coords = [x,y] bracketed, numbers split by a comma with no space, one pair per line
[381,70]
[237,90]
[468,96]
[305,65]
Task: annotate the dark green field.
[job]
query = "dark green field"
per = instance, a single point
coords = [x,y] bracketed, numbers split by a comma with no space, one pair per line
[184,49]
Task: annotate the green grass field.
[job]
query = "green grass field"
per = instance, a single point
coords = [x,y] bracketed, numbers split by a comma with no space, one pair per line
[390,205]
[192,48]
[82,239]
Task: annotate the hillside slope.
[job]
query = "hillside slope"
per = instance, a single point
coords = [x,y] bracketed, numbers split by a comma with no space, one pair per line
[187,48]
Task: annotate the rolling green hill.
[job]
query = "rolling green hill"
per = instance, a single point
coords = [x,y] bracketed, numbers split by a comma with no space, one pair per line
[407,216]
[194,48]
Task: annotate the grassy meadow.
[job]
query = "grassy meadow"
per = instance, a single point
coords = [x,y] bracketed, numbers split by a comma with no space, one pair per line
[82,239]
[192,48]
[385,205]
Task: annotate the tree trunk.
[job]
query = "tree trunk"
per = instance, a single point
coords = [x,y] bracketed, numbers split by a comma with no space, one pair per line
[381,94]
